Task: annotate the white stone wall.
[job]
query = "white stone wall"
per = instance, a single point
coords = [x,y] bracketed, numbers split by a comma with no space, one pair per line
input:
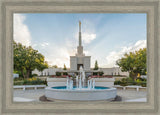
[81,95]
[46,72]
[80,60]
[87,63]
[52,82]
[107,71]
[114,71]
[73,63]
[106,82]
[117,71]
[36,72]
[85,60]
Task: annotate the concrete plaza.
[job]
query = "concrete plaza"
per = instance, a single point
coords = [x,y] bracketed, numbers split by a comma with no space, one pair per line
[34,95]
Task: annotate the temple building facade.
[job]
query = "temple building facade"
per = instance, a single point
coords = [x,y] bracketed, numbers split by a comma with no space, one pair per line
[80,59]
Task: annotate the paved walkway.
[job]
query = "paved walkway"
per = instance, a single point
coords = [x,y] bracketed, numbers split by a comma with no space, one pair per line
[29,94]
[34,95]
[131,95]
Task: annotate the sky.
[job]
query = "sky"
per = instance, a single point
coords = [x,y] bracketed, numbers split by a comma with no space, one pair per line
[106,37]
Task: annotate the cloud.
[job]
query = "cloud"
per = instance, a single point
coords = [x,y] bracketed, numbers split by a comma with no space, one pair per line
[59,56]
[21,32]
[87,38]
[114,56]
[88,32]
[86,52]
[56,54]
[44,44]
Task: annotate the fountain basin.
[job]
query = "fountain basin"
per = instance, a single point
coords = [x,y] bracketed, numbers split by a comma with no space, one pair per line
[83,94]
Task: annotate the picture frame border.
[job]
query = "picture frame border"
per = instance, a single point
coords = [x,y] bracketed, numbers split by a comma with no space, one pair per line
[8,8]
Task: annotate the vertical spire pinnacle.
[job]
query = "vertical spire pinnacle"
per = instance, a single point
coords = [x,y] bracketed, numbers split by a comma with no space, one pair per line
[79,26]
[80,34]
[80,47]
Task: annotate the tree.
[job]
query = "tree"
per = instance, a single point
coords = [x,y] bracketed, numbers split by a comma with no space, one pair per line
[96,65]
[55,66]
[141,63]
[64,68]
[134,62]
[26,59]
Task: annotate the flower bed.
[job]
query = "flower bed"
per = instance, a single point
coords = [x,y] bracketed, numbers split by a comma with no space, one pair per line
[103,76]
[130,81]
[30,81]
[62,76]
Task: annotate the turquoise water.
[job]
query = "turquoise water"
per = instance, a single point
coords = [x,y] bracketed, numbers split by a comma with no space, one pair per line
[96,87]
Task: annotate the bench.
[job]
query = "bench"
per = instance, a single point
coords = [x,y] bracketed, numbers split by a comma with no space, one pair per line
[130,86]
[28,86]
[133,87]
[118,86]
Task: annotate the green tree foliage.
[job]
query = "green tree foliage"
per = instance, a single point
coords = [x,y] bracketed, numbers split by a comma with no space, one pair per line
[101,73]
[64,68]
[55,66]
[26,59]
[134,62]
[96,65]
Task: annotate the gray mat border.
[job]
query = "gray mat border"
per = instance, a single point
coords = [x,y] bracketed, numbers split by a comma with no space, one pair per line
[155,4]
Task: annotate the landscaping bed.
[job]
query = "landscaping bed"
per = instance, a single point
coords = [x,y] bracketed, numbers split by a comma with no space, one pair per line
[129,81]
[29,81]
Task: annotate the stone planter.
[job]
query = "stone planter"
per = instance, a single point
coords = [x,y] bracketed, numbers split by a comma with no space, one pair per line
[51,82]
[106,82]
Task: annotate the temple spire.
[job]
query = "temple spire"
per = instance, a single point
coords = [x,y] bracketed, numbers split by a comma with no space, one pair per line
[80,47]
[79,26]
[80,41]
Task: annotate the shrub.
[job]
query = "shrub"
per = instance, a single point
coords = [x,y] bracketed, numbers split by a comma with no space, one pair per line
[58,74]
[95,73]
[124,82]
[141,79]
[138,82]
[31,81]
[117,82]
[33,75]
[18,82]
[130,81]
[45,82]
[143,84]
[65,73]
[18,79]
[101,73]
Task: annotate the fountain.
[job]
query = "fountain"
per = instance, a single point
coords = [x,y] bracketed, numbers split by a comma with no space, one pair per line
[80,82]
[80,91]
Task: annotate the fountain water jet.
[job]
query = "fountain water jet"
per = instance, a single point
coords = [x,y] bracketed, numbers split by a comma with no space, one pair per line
[80,81]
[80,91]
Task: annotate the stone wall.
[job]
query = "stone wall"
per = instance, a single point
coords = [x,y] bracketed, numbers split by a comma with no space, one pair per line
[52,82]
[106,82]
[107,71]
[73,63]
[114,71]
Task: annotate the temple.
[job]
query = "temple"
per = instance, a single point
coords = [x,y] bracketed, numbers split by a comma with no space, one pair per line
[80,59]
